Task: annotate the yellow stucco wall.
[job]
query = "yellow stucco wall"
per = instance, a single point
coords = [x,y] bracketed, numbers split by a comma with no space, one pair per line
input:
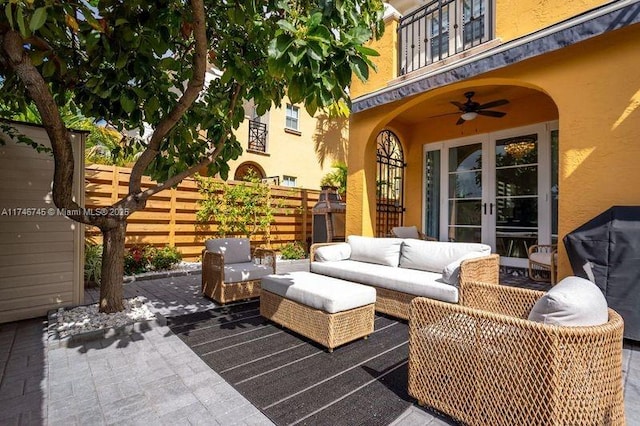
[581,85]
[386,63]
[307,156]
[515,18]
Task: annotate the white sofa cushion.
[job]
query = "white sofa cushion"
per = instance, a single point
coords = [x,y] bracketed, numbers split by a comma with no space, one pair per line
[320,292]
[451,272]
[434,256]
[411,281]
[234,250]
[237,272]
[382,251]
[334,252]
[574,301]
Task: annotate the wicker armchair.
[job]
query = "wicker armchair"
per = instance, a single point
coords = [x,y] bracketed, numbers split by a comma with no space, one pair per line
[486,364]
[230,271]
[543,258]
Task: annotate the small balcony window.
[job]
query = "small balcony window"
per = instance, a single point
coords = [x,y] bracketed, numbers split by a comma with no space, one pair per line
[292,118]
[442,28]
[257,136]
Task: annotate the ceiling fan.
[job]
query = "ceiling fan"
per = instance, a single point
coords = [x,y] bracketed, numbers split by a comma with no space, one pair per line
[471,109]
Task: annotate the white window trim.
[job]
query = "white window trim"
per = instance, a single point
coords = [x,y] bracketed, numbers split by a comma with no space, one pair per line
[297,119]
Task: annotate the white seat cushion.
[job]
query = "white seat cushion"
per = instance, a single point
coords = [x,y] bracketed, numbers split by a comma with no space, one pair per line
[237,272]
[319,292]
[542,258]
[574,302]
[382,251]
[234,250]
[411,281]
[434,256]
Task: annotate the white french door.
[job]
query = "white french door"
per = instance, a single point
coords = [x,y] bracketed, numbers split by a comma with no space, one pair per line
[493,188]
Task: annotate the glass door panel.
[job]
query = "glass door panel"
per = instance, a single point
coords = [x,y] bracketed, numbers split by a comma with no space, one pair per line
[516,195]
[465,193]
[432,194]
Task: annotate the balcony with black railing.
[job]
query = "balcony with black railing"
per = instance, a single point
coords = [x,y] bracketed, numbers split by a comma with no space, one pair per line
[441,29]
[257,136]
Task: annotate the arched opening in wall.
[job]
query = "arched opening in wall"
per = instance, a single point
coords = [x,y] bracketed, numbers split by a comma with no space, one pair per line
[246,169]
[389,182]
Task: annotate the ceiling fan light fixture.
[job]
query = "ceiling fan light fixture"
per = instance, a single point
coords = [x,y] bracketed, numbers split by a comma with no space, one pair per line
[468,116]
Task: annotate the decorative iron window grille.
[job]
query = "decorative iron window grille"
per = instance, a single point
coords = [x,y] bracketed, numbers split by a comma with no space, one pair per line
[389,183]
[440,29]
[257,136]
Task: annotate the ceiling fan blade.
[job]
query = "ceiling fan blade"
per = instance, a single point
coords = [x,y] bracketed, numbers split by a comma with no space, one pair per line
[497,114]
[458,104]
[460,121]
[494,104]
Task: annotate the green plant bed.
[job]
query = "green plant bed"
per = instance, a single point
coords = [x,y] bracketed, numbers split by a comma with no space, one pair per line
[292,251]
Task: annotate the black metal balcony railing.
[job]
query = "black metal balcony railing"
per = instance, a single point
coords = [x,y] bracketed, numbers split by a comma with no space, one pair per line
[257,136]
[442,28]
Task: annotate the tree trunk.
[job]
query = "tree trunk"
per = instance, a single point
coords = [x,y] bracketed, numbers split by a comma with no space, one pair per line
[111,292]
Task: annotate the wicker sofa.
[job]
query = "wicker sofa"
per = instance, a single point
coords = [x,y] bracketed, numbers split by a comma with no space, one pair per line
[486,363]
[402,269]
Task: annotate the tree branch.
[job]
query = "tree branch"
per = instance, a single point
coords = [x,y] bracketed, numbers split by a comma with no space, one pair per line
[14,55]
[219,145]
[194,87]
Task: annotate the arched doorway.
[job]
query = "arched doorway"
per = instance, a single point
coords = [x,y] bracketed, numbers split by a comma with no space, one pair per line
[389,182]
[245,169]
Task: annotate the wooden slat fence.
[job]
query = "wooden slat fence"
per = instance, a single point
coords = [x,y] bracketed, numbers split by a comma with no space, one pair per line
[170,216]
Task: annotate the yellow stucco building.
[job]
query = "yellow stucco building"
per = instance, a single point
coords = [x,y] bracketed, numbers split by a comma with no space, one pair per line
[504,122]
[289,147]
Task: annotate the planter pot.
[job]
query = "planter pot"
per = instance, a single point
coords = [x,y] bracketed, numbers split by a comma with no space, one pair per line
[283,266]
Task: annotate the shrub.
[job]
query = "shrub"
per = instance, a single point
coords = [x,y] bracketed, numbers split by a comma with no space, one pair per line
[136,260]
[139,259]
[292,251]
[164,258]
[92,263]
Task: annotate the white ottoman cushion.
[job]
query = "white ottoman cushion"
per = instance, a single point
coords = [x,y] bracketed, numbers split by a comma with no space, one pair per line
[327,294]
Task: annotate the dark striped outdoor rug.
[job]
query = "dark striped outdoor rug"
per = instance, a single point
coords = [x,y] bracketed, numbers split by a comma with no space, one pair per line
[294,381]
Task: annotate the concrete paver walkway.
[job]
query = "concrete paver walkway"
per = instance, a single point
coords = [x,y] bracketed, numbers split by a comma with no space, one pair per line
[152,377]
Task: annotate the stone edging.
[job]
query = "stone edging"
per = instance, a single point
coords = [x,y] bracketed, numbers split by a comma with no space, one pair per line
[161,274]
[55,341]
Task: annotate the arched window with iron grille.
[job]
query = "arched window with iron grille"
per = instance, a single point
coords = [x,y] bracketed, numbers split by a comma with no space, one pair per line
[389,183]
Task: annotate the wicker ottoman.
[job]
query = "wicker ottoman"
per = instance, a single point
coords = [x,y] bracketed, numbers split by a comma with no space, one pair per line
[327,310]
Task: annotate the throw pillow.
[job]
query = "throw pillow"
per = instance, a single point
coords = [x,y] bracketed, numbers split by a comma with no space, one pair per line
[332,253]
[574,302]
[383,251]
[451,272]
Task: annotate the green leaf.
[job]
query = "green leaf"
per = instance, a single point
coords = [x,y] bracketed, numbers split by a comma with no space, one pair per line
[127,103]
[48,69]
[367,51]
[286,25]
[8,10]
[122,61]
[23,29]
[38,19]
[359,68]
[279,46]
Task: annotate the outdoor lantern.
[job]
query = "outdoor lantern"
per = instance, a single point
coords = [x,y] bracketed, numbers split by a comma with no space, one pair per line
[329,216]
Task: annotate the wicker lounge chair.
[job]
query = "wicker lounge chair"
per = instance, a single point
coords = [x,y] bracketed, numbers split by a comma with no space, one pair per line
[485,363]
[543,258]
[231,272]
[410,232]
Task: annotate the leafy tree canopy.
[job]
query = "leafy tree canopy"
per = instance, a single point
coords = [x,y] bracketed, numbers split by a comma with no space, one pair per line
[128,62]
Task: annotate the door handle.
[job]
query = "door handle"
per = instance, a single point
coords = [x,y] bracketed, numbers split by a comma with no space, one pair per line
[484,207]
[490,208]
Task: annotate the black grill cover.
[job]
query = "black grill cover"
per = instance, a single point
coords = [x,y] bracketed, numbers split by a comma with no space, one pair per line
[606,250]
